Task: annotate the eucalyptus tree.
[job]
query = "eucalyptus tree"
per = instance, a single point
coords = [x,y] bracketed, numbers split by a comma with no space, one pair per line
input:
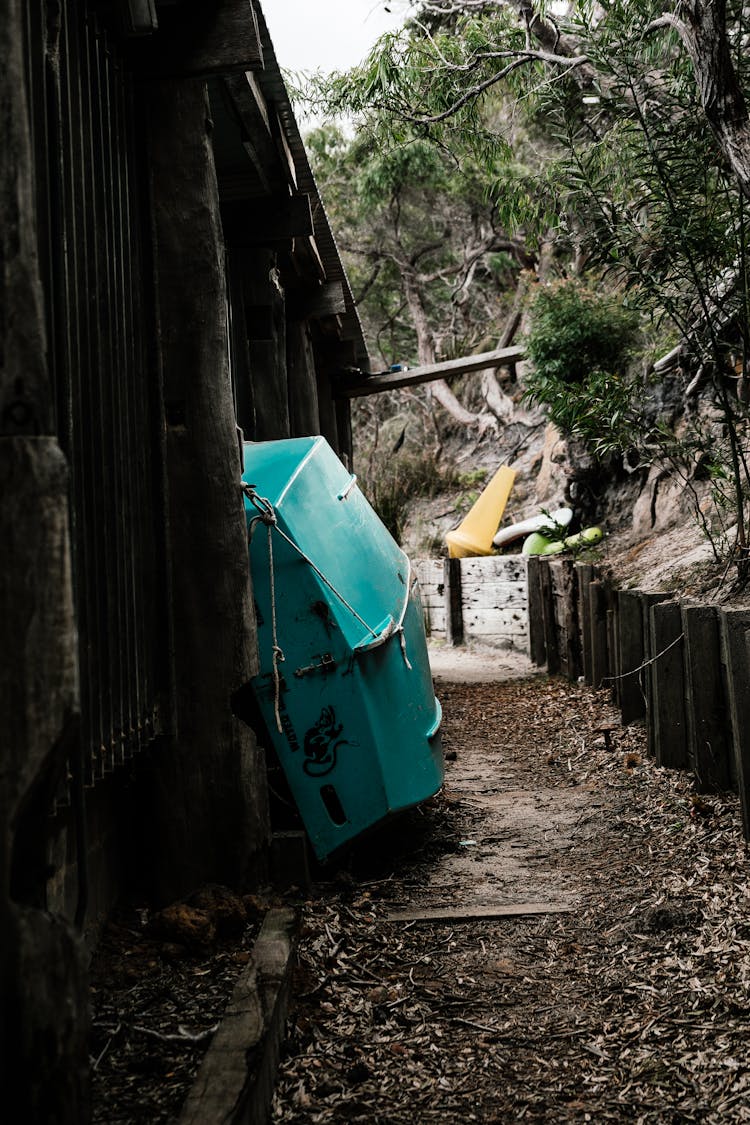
[434,271]
[637,115]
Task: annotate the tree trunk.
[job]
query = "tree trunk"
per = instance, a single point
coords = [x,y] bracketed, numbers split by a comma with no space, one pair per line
[426,355]
[500,404]
[704,34]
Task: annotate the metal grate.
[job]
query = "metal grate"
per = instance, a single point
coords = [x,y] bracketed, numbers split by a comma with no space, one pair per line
[93,250]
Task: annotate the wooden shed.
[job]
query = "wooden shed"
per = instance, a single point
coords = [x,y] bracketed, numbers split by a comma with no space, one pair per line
[170,285]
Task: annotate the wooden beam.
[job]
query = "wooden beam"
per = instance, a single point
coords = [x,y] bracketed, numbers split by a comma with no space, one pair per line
[333,355]
[266,223]
[537,639]
[138,17]
[197,40]
[668,725]
[479,913]
[315,302]
[709,736]
[630,656]
[246,98]
[449,368]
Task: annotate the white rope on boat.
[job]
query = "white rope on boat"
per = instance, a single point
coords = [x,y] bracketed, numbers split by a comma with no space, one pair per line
[267,515]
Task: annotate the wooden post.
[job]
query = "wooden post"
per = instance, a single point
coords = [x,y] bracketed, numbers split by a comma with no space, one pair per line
[537,646]
[708,730]
[563,575]
[210,815]
[598,634]
[735,637]
[267,353]
[551,639]
[648,601]
[454,620]
[668,719]
[630,650]
[613,641]
[303,388]
[585,573]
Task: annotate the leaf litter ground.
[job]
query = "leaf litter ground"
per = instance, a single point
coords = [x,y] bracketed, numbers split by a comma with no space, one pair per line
[632,1005]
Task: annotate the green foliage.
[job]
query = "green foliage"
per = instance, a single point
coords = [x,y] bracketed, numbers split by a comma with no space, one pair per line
[575,331]
[471,478]
[579,343]
[457,115]
[384,175]
[406,215]
[468,487]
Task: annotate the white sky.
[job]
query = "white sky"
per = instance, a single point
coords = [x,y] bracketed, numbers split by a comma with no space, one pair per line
[310,35]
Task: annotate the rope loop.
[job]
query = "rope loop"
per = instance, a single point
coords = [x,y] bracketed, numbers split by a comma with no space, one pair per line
[264,508]
[265,513]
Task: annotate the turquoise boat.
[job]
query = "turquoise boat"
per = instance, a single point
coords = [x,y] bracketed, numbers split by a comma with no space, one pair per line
[344,686]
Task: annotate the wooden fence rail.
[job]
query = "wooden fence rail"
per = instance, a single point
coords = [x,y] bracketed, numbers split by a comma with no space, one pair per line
[679,667]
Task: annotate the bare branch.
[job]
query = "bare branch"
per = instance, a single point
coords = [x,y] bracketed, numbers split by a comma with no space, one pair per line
[368,284]
[521,58]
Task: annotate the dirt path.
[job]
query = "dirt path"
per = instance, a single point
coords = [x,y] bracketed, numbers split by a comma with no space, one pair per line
[626,999]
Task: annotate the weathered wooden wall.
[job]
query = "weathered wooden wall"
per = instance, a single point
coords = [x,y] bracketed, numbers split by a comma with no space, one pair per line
[43,1014]
[205,793]
[145,308]
[431,576]
[490,608]
[679,667]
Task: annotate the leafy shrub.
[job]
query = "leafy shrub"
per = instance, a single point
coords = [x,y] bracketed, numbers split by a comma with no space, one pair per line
[579,343]
[575,331]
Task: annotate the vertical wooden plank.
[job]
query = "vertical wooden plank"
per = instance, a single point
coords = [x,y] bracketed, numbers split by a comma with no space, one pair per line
[266,323]
[630,648]
[454,621]
[598,635]
[668,719]
[613,641]
[647,602]
[570,639]
[326,407]
[304,415]
[548,619]
[242,380]
[537,644]
[343,413]
[197,832]
[708,730]
[735,639]
[585,573]
[43,1014]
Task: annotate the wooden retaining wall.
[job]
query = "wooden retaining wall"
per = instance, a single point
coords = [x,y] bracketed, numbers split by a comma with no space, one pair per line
[679,667]
[481,600]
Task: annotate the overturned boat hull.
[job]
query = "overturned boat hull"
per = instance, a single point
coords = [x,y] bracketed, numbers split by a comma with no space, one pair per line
[344,687]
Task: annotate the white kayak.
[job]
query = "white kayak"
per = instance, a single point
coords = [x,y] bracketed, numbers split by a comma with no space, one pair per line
[545,521]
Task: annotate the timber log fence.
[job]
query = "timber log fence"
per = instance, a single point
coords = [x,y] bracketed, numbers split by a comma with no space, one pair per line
[679,667]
